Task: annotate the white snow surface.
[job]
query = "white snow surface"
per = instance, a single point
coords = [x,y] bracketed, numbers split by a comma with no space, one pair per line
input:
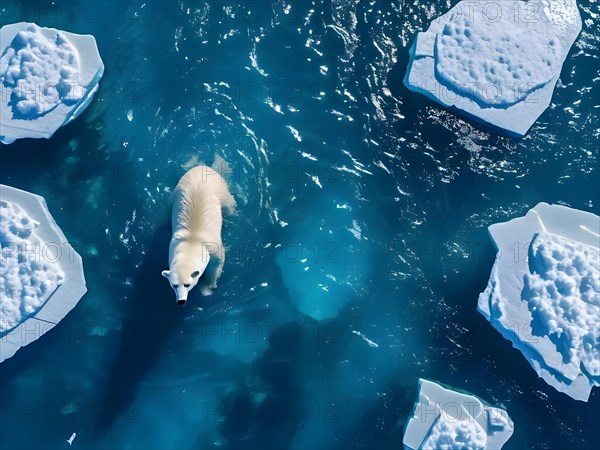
[498,62]
[47,78]
[563,293]
[446,419]
[41,72]
[544,294]
[455,435]
[27,279]
[486,69]
[41,276]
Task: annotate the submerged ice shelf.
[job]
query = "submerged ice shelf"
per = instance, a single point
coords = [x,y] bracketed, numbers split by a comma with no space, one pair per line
[320,264]
[41,278]
[544,294]
[497,62]
[47,77]
[447,419]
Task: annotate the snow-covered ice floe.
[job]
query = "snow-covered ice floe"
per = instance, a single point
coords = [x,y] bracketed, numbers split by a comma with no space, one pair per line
[495,61]
[41,276]
[445,419]
[47,78]
[544,294]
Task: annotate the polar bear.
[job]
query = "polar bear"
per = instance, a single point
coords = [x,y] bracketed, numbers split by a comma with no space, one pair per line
[199,201]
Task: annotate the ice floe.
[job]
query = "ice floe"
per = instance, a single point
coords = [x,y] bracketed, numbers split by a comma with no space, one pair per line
[47,78]
[544,294]
[41,276]
[496,61]
[445,419]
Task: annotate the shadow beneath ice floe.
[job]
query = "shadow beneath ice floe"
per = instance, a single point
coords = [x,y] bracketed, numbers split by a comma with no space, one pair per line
[153,318]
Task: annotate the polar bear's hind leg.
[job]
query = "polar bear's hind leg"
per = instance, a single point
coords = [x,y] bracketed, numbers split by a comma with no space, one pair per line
[214,275]
[205,290]
[219,270]
[228,204]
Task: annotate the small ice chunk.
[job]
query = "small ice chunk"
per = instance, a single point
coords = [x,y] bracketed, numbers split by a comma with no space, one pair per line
[366,339]
[446,419]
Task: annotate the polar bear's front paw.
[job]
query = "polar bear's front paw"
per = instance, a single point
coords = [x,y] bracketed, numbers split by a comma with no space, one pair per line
[206,290]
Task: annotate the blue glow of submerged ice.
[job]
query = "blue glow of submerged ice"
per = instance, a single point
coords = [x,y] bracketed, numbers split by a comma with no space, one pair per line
[385,194]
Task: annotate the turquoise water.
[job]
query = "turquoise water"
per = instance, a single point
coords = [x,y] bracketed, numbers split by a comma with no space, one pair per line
[361,207]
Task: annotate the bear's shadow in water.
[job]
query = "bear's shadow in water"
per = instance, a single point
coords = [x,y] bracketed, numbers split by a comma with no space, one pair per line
[153,318]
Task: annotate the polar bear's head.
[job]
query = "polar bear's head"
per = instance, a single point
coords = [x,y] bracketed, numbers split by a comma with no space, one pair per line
[183,278]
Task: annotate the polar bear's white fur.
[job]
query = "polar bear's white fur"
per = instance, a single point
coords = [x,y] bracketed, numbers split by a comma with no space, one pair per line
[200,198]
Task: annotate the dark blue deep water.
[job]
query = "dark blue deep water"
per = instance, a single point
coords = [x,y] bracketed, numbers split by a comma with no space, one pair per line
[361,207]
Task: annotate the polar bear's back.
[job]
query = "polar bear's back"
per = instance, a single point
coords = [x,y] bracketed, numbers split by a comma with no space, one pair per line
[199,197]
[202,179]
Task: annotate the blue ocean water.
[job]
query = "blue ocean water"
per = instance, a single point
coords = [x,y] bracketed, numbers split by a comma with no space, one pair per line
[355,258]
